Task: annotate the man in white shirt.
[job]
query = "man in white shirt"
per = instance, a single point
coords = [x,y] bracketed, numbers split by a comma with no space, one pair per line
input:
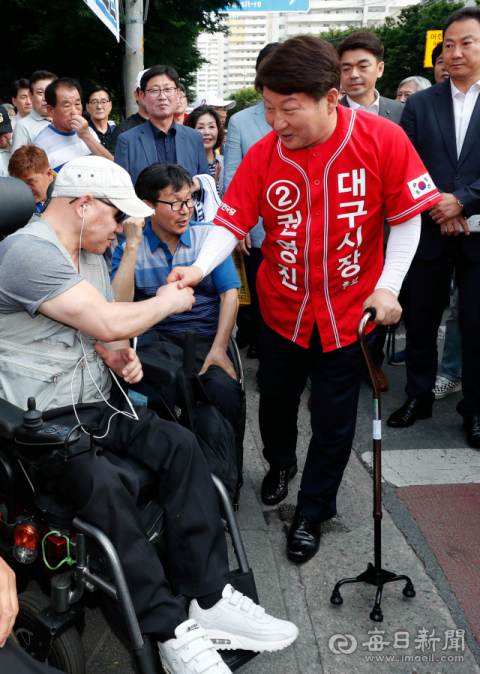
[361,63]
[28,128]
[443,123]
[69,136]
[20,93]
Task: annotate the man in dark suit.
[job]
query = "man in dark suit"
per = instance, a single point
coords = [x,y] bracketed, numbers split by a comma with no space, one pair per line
[443,124]
[361,64]
[161,139]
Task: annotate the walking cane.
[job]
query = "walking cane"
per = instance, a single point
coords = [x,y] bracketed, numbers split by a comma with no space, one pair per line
[374,575]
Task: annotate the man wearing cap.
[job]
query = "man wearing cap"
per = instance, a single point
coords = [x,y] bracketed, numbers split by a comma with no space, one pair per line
[161,139]
[5,135]
[62,335]
[214,99]
[134,120]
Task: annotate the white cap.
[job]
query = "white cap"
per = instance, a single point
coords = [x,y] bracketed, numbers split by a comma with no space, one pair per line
[139,78]
[103,179]
[213,98]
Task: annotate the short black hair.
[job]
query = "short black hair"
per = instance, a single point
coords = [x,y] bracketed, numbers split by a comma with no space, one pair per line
[66,82]
[362,40]
[436,53]
[303,64]
[40,75]
[15,87]
[159,70]
[153,179]
[462,15]
[196,113]
[265,52]
[95,90]
[182,87]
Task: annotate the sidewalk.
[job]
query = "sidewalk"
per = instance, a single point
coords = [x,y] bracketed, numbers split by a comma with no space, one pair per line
[302,593]
[414,631]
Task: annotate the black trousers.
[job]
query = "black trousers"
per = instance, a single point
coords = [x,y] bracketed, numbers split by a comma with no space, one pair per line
[224,391]
[252,265]
[15,661]
[427,285]
[336,377]
[104,491]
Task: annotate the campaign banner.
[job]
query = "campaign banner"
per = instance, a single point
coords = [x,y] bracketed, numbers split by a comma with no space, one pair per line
[270,6]
[107,12]
[434,37]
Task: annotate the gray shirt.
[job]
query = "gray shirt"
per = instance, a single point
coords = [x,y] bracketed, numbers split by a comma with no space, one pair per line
[33,271]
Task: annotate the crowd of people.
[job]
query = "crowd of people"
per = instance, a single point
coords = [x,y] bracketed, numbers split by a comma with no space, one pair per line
[338,198]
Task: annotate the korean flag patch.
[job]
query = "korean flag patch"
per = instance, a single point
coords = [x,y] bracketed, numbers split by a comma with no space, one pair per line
[421,186]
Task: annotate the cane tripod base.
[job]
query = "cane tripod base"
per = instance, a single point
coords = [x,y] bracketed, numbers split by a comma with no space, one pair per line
[379,579]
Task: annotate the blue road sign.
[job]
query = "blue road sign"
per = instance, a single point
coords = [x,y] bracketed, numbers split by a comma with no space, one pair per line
[270,6]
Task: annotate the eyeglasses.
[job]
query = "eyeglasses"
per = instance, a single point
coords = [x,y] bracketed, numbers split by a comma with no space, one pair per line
[178,205]
[103,102]
[155,92]
[119,215]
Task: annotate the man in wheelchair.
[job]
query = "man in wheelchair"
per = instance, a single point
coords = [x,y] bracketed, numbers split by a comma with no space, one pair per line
[63,339]
[140,267]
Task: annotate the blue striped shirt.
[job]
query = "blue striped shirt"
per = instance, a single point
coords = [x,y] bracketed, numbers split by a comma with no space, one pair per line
[155,262]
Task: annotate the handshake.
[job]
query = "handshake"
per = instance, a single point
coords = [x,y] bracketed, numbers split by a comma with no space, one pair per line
[178,292]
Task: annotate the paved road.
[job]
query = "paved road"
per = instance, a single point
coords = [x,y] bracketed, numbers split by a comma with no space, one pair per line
[430,535]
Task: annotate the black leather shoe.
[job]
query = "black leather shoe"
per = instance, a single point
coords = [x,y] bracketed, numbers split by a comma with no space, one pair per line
[472,426]
[252,351]
[275,484]
[303,538]
[411,410]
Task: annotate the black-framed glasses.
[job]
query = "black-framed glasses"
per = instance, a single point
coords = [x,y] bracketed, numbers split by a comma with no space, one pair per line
[155,92]
[178,205]
[119,215]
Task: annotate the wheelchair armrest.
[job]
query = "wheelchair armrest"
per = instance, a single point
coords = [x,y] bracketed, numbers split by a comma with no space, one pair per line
[11,418]
[155,368]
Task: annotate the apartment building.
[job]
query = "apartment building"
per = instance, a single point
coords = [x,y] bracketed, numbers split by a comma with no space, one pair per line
[231,60]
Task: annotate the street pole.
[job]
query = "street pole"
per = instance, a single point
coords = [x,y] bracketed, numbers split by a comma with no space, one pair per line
[134,49]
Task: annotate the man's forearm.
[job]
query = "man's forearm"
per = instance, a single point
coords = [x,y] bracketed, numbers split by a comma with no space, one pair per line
[123,283]
[96,148]
[227,317]
[401,247]
[217,247]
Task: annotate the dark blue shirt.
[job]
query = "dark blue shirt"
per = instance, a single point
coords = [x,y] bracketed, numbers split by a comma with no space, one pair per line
[165,143]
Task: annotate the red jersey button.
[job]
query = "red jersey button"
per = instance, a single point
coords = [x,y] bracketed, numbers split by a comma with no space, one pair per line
[315,154]
[317,182]
[317,213]
[317,294]
[317,269]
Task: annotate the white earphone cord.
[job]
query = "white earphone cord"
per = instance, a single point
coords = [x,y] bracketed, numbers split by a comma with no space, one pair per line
[133,415]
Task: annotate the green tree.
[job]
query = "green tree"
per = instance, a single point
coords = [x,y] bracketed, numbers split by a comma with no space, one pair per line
[65,37]
[243,97]
[404,40]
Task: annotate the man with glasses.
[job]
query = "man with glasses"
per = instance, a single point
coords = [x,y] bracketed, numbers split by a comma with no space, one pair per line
[99,106]
[142,264]
[69,135]
[161,139]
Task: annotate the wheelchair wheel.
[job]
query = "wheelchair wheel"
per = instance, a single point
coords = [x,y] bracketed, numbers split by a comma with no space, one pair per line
[66,653]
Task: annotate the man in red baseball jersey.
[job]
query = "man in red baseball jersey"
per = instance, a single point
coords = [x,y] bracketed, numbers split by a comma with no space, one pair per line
[323,180]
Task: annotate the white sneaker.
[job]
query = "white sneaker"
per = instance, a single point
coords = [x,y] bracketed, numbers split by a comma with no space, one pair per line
[237,622]
[191,652]
[444,386]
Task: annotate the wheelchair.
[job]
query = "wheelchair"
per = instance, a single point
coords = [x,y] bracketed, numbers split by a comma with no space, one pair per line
[41,537]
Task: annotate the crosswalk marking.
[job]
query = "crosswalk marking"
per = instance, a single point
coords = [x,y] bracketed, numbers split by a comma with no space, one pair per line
[408,467]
